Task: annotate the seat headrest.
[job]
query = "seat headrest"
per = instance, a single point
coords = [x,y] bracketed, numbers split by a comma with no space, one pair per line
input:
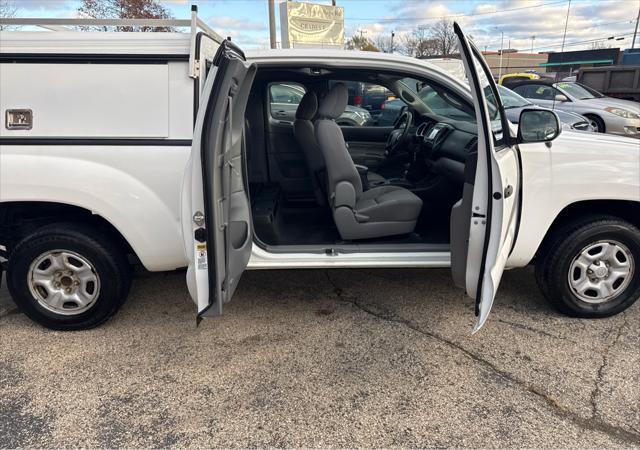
[308,106]
[334,102]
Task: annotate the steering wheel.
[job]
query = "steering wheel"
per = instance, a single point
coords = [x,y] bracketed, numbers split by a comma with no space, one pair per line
[400,132]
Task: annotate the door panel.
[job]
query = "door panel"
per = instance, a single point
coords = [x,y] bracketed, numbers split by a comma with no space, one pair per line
[287,164]
[215,205]
[484,222]
[366,144]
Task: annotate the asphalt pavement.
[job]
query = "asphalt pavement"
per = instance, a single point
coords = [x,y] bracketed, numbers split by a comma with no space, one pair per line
[313,358]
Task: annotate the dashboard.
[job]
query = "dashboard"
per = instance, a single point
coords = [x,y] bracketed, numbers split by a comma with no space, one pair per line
[446,144]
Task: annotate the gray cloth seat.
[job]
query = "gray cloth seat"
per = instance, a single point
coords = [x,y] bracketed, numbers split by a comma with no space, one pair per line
[304,133]
[381,211]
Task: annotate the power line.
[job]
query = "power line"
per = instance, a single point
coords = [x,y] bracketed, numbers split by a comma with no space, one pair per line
[450,16]
[551,33]
[569,44]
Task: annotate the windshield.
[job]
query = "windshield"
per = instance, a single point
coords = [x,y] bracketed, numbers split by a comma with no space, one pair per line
[440,101]
[578,91]
[509,98]
[443,104]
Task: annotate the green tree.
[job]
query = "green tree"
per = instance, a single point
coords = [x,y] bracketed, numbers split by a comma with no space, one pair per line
[359,42]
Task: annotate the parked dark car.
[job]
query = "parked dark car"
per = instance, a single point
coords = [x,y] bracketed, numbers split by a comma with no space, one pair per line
[369,96]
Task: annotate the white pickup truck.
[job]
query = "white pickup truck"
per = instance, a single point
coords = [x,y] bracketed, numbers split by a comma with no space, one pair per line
[167,149]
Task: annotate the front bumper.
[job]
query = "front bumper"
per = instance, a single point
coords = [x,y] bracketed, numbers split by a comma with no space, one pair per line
[623,127]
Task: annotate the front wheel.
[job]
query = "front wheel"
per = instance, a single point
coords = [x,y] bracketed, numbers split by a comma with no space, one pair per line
[68,276]
[592,268]
[596,123]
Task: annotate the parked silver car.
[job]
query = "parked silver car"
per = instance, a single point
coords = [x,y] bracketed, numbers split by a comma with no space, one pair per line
[285,97]
[605,114]
[514,104]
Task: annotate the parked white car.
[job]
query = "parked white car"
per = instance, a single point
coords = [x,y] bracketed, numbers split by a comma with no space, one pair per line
[101,164]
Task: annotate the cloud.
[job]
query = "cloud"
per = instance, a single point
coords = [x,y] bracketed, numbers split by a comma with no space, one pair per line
[234,23]
[42,4]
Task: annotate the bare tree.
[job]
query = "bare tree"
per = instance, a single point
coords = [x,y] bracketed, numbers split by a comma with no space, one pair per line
[8,10]
[419,44]
[600,45]
[125,9]
[358,42]
[385,43]
[444,37]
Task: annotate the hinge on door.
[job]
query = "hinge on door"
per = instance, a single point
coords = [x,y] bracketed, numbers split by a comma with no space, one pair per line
[196,68]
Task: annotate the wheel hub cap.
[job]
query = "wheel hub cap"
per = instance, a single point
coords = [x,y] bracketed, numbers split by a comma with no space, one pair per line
[601,271]
[63,282]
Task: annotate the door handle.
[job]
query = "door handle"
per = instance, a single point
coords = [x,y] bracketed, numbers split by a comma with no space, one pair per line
[508,191]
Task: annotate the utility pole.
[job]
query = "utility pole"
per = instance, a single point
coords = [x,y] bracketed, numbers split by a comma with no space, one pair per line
[533,38]
[392,35]
[635,33]
[501,52]
[564,36]
[272,23]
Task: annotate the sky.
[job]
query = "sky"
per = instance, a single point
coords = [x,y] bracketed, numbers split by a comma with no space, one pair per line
[524,24]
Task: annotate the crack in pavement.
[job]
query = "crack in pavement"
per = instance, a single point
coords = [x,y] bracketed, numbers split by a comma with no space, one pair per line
[593,423]
[597,382]
[532,329]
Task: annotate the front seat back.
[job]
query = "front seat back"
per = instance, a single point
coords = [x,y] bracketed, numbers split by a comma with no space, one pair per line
[340,166]
[382,211]
[305,136]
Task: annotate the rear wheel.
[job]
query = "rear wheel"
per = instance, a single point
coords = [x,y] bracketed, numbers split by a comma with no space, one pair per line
[592,268]
[596,123]
[68,276]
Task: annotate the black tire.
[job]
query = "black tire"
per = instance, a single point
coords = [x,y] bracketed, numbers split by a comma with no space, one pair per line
[554,262]
[598,122]
[106,257]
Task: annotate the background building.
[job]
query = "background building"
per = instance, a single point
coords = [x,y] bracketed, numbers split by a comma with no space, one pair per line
[514,61]
[567,63]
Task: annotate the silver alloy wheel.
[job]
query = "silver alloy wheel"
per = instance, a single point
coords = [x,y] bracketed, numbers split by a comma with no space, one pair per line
[594,124]
[601,271]
[63,282]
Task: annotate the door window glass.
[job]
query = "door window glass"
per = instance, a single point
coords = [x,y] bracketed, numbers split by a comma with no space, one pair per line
[536,91]
[493,102]
[369,105]
[284,99]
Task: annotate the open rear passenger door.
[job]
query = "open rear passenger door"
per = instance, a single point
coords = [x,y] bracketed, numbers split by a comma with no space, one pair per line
[484,223]
[216,216]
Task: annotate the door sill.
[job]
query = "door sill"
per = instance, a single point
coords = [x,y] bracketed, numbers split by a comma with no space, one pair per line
[351,255]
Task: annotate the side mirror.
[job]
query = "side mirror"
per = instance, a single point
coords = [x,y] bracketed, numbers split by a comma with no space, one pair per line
[561,98]
[538,125]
